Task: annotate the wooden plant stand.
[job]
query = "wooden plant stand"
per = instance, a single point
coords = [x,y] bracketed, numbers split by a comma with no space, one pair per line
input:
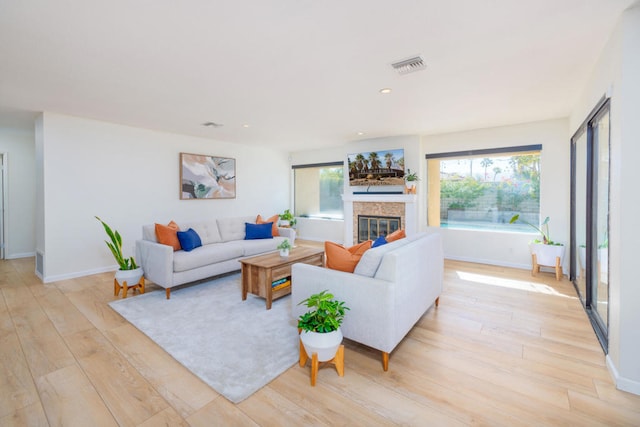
[536,267]
[125,287]
[337,361]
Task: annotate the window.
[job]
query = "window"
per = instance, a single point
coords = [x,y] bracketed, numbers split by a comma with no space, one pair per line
[483,189]
[318,190]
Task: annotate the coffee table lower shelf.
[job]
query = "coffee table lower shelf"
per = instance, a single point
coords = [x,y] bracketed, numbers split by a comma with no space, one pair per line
[260,272]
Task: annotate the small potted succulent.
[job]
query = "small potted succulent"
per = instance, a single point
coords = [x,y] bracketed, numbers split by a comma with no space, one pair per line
[284,247]
[321,325]
[287,219]
[410,179]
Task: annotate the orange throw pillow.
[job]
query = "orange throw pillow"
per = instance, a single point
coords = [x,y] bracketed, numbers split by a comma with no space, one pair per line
[396,235]
[168,235]
[344,259]
[274,220]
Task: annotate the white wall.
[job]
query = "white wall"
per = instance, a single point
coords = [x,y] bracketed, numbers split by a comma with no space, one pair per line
[130,177]
[18,143]
[616,74]
[511,248]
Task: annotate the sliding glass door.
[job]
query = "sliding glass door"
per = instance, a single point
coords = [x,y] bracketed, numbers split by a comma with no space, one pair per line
[590,217]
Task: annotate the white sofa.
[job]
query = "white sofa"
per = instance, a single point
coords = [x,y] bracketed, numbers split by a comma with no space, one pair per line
[392,286]
[223,245]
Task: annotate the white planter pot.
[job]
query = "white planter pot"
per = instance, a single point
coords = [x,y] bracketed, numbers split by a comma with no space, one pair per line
[324,344]
[546,254]
[284,223]
[284,253]
[130,276]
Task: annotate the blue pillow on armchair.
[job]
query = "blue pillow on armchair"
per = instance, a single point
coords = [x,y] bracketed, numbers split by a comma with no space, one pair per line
[189,240]
[258,231]
[379,242]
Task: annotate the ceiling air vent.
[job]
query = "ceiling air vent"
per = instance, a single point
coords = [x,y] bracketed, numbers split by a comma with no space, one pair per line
[212,124]
[409,65]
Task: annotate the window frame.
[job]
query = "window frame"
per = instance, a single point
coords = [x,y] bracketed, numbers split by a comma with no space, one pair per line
[432,218]
[312,166]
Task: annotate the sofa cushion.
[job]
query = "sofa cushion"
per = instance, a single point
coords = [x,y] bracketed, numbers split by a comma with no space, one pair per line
[167,235]
[370,261]
[207,230]
[189,240]
[344,259]
[396,235]
[259,246]
[274,220]
[258,231]
[233,228]
[205,255]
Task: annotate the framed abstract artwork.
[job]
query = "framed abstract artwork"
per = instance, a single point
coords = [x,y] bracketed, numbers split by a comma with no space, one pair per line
[207,177]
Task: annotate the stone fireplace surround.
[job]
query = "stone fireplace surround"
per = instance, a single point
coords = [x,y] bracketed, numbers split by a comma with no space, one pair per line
[403,205]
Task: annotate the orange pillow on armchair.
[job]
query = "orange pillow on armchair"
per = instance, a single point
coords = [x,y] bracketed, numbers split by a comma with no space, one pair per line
[344,259]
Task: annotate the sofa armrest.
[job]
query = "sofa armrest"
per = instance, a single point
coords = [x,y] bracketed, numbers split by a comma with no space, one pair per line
[289,233]
[156,261]
[370,300]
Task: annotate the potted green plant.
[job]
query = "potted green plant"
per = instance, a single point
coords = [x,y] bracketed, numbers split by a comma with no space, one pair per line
[129,272]
[287,219]
[410,179]
[284,248]
[546,250]
[321,325]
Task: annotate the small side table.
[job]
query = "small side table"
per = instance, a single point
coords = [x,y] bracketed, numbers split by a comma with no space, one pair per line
[125,287]
[337,361]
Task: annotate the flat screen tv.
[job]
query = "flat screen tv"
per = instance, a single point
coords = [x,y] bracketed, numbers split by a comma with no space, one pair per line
[382,167]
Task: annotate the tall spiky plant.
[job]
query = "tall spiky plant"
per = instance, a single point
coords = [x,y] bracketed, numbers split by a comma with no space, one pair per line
[116,248]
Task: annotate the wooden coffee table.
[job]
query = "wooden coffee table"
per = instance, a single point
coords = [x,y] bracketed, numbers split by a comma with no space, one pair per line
[260,272]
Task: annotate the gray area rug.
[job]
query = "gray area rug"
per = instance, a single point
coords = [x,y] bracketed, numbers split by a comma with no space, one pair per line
[235,346]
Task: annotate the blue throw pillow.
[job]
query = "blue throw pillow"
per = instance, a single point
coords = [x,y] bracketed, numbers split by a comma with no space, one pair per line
[189,239]
[379,242]
[258,231]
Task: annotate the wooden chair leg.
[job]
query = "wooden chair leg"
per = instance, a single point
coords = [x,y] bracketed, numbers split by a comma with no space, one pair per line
[437,301]
[168,292]
[385,361]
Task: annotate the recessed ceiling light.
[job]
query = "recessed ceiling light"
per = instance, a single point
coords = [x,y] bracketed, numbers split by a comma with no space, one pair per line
[212,124]
[360,133]
[385,90]
[245,126]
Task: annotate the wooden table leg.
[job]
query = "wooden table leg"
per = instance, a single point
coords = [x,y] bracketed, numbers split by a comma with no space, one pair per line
[245,281]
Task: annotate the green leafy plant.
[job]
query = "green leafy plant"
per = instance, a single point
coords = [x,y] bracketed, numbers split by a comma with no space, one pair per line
[326,315]
[411,176]
[115,245]
[288,216]
[284,245]
[543,230]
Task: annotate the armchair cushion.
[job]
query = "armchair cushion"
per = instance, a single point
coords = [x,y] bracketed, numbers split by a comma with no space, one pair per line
[344,259]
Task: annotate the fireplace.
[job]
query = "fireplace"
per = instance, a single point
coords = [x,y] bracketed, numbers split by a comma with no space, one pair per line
[398,206]
[370,227]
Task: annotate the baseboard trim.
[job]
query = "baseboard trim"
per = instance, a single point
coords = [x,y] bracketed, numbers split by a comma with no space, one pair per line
[20,255]
[489,262]
[76,274]
[622,383]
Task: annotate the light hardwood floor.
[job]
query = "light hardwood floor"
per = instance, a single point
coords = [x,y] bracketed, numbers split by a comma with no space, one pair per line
[503,349]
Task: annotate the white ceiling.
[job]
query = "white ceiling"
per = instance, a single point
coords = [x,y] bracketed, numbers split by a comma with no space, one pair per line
[303,74]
